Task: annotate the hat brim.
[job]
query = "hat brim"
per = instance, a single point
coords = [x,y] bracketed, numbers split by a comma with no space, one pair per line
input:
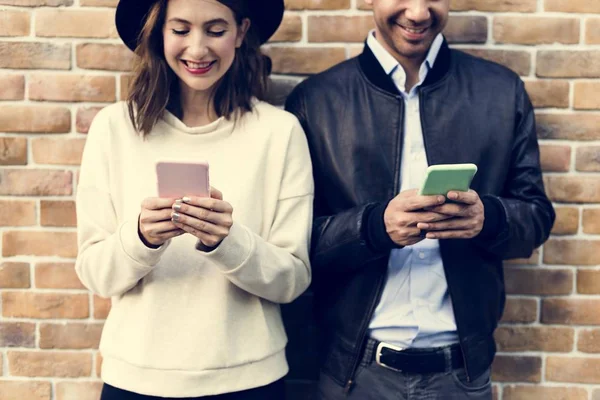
[265,16]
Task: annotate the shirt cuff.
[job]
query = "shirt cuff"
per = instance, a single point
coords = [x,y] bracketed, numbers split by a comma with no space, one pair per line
[494,217]
[374,230]
[135,249]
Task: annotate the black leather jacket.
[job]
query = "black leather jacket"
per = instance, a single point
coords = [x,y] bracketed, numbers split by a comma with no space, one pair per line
[472,111]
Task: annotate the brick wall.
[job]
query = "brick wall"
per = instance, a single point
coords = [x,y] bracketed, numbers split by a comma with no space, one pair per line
[61,61]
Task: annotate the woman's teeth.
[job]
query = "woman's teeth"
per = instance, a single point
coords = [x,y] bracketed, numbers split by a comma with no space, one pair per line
[195,65]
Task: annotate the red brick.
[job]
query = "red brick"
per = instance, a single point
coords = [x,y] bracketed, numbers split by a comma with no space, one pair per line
[35,182]
[572,369]
[466,29]
[555,158]
[17,334]
[49,364]
[44,243]
[591,221]
[588,281]
[14,23]
[290,30]
[32,55]
[13,87]
[567,221]
[84,118]
[317,4]
[37,3]
[98,364]
[574,6]
[72,88]
[524,338]
[518,61]
[568,63]
[572,252]
[588,158]
[45,305]
[517,369]
[110,57]
[519,310]
[586,96]
[536,30]
[576,126]
[589,341]
[70,336]
[25,390]
[517,392]
[58,151]
[304,60]
[101,307]
[14,275]
[75,23]
[58,213]
[570,311]
[538,281]
[592,31]
[125,81]
[78,390]
[573,189]
[35,119]
[548,93]
[494,5]
[17,213]
[57,276]
[339,28]
[13,151]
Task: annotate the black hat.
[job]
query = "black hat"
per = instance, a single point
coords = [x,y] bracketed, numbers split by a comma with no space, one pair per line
[265,17]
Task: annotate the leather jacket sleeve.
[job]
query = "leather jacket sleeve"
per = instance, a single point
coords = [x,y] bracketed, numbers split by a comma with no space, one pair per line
[347,240]
[528,213]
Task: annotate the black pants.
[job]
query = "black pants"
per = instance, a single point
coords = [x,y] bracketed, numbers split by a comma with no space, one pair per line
[274,391]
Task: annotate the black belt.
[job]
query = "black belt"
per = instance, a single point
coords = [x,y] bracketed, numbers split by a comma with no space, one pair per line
[417,361]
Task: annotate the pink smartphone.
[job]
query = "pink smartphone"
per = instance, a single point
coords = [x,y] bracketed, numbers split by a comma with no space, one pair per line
[180,178]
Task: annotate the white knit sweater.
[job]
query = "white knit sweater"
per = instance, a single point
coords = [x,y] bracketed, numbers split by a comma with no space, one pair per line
[185,323]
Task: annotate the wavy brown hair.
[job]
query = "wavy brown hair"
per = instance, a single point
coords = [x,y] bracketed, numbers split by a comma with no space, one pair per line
[155,87]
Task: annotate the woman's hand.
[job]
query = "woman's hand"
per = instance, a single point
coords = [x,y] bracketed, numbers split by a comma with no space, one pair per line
[207,218]
[155,226]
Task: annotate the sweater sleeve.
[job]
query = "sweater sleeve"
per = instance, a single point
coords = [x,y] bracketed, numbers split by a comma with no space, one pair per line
[276,268]
[112,258]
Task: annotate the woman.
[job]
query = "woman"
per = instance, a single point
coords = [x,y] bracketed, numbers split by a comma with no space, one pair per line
[195,282]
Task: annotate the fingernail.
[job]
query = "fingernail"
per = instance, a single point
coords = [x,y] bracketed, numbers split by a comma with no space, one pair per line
[186,199]
[440,199]
[423,226]
[175,216]
[453,195]
[177,205]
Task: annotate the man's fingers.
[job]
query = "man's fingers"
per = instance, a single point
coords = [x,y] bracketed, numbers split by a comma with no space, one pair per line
[452,224]
[469,197]
[450,209]
[453,234]
[417,202]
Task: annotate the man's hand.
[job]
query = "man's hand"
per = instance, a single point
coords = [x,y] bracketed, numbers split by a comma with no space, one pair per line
[465,217]
[405,211]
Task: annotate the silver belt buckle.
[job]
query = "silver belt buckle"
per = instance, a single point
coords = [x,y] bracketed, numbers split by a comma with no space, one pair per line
[382,345]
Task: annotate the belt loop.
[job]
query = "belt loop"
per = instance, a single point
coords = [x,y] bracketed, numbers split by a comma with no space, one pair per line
[448,358]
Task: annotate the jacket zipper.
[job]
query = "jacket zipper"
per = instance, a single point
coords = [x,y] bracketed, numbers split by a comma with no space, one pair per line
[462,351]
[363,329]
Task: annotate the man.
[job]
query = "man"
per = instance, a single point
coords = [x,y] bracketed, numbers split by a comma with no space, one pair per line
[409,288]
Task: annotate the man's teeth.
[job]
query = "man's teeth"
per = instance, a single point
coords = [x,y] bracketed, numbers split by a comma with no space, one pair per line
[194,65]
[411,30]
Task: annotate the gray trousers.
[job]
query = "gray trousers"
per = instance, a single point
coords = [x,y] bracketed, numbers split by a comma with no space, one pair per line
[374,382]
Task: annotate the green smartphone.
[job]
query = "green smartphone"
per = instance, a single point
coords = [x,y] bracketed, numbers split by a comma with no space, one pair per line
[442,178]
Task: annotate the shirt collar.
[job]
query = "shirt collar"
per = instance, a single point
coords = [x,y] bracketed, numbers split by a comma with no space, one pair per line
[389,63]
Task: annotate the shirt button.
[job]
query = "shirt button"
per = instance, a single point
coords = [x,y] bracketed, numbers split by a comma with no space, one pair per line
[421,255]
